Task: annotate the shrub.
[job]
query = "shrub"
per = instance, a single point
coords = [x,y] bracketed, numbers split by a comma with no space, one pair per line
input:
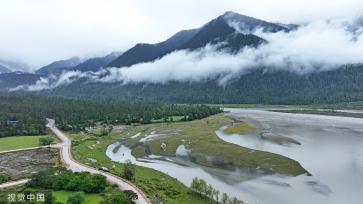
[118,199]
[4,177]
[77,198]
[129,170]
[46,140]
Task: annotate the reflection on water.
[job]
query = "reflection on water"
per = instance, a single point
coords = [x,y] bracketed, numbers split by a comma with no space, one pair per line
[331,150]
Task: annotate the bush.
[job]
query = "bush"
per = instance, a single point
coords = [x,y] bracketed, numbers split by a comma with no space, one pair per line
[46,140]
[131,194]
[129,170]
[118,199]
[61,179]
[77,198]
[4,177]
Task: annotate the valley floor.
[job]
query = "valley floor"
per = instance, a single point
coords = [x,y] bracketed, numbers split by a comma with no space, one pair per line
[198,137]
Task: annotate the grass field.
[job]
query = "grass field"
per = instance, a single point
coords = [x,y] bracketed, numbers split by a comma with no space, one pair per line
[19,142]
[240,127]
[62,196]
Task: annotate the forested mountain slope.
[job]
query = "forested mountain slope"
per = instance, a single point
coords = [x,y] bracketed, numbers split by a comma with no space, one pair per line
[275,87]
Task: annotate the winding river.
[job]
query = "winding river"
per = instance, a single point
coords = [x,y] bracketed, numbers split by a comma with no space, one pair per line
[331,150]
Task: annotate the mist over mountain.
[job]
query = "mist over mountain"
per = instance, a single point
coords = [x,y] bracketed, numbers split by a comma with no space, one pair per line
[12,66]
[94,64]
[59,66]
[231,59]
[214,32]
[4,69]
[148,52]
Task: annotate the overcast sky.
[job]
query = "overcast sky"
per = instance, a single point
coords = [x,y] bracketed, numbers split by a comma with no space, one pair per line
[40,31]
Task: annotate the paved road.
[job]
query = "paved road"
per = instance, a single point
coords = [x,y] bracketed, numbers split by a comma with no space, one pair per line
[66,157]
[23,149]
[13,183]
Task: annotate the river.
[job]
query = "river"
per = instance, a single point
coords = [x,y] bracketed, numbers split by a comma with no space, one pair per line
[331,150]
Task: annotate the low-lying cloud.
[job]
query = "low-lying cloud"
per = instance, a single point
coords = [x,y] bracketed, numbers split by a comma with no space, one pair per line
[318,46]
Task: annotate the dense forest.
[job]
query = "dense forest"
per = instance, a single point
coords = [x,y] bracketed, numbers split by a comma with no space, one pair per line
[256,87]
[25,115]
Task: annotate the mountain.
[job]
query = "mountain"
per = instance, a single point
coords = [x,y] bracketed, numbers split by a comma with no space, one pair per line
[58,66]
[15,79]
[143,52]
[4,69]
[216,31]
[230,32]
[96,63]
[11,66]
[248,24]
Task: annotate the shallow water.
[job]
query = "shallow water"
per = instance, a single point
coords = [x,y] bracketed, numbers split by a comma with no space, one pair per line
[332,150]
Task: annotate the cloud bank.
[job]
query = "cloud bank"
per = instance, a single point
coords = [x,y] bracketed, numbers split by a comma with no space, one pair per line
[318,46]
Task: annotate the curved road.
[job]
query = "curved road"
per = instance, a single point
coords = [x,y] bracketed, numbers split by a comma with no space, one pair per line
[70,163]
[67,159]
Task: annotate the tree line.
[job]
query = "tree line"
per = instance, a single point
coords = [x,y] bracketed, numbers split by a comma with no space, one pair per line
[203,189]
[25,114]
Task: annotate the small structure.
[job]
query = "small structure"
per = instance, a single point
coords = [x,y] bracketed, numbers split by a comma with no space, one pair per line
[12,122]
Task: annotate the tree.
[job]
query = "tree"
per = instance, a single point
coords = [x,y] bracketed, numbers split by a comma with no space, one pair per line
[129,170]
[209,192]
[195,185]
[49,198]
[216,195]
[93,183]
[225,198]
[235,200]
[203,186]
[77,198]
[46,140]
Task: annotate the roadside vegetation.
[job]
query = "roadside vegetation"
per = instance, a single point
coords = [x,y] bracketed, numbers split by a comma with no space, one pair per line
[111,195]
[4,177]
[48,140]
[78,188]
